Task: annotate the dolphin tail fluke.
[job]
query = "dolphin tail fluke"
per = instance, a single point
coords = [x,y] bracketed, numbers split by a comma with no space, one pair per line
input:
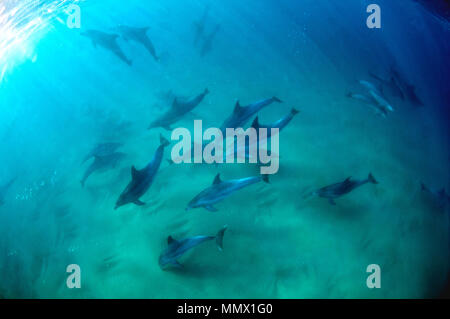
[219,237]
[277,99]
[163,141]
[265,178]
[372,179]
[294,111]
[82,183]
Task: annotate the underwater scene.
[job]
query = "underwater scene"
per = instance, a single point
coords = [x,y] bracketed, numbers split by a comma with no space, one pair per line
[114,125]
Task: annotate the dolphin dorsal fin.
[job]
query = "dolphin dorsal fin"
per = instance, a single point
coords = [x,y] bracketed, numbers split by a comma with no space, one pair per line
[170,240]
[175,102]
[217,179]
[237,108]
[134,172]
[255,123]
[348,179]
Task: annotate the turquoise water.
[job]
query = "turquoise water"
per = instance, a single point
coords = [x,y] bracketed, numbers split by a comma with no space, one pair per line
[59,96]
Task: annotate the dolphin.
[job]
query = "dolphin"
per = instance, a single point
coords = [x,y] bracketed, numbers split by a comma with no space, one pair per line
[339,189]
[141,180]
[207,42]
[200,26]
[370,101]
[177,111]
[390,84]
[102,149]
[102,163]
[409,91]
[280,124]
[138,35]
[369,86]
[376,95]
[178,248]
[220,190]
[108,42]
[441,198]
[4,188]
[241,114]
[381,101]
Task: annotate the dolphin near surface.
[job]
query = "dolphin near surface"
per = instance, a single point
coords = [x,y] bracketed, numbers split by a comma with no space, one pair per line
[337,190]
[107,41]
[138,35]
[141,180]
[241,114]
[177,248]
[179,109]
[102,163]
[4,189]
[220,190]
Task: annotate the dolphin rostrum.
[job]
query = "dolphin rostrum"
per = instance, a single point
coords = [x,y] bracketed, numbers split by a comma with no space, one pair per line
[241,114]
[141,180]
[220,190]
[108,42]
[138,35]
[178,248]
[334,191]
[177,111]
[102,163]
[4,188]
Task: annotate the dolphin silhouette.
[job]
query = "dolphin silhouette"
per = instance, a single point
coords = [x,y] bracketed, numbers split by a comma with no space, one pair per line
[178,248]
[102,149]
[138,35]
[102,163]
[177,111]
[208,40]
[280,124]
[334,191]
[241,114]
[440,197]
[108,42]
[141,180]
[220,190]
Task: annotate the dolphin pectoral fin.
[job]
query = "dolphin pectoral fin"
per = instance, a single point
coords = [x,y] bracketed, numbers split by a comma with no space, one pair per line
[211,208]
[138,202]
[332,202]
[177,264]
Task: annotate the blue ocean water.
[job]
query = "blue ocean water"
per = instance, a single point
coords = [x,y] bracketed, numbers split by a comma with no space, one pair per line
[60,96]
